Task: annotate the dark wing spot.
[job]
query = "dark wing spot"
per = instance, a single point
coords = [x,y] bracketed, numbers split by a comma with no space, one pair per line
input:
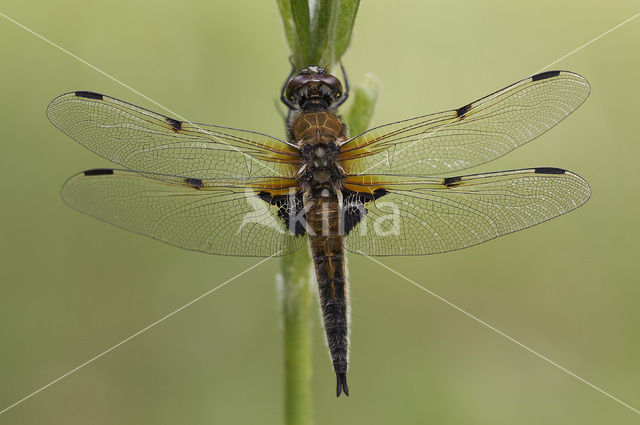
[89,95]
[99,172]
[461,111]
[363,197]
[545,75]
[265,196]
[177,125]
[452,181]
[549,170]
[193,182]
[354,208]
[352,214]
[379,192]
[289,208]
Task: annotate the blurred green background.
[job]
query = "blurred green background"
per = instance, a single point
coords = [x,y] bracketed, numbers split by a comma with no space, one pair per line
[71,286]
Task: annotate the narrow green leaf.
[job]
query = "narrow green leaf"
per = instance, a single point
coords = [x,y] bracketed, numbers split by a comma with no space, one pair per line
[289,29]
[302,23]
[287,21]
[342,15]
[345,18]
[320,30]
[320,39]
[359,115]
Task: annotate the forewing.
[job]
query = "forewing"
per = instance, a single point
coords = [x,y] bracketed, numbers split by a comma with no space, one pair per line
[145,141]
[417,216]
[471,135]
[187,212]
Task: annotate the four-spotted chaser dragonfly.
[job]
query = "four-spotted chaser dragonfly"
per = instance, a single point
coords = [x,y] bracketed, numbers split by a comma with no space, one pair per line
[228,191]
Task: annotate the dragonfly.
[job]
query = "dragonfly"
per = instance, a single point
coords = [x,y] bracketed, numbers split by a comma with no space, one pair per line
[391,190]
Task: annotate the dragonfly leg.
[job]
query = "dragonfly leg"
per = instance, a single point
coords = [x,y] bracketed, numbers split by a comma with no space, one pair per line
[346,87]
[283,98]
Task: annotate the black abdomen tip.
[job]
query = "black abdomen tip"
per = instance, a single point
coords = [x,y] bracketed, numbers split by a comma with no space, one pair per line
[341,384]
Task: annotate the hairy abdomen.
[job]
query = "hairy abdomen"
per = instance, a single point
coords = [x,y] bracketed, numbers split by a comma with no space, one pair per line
[327,249]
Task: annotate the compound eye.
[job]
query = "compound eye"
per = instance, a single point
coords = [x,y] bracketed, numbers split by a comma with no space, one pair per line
[294,85]
[333,82]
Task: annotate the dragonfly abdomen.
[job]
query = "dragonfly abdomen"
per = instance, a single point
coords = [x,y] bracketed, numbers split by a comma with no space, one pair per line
[327,250]
[328,256]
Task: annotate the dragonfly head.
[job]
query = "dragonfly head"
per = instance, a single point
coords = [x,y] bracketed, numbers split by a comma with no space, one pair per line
[313,89]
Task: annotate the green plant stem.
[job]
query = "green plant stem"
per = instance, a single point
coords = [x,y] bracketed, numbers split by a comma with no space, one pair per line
[296,297]
[320,39]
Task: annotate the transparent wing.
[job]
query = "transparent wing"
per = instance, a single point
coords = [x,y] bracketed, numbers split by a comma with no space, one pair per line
[186,212]
[417,216]
[145,141]
[471,135]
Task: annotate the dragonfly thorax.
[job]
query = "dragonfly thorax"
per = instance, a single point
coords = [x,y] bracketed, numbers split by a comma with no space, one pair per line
[321,166]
